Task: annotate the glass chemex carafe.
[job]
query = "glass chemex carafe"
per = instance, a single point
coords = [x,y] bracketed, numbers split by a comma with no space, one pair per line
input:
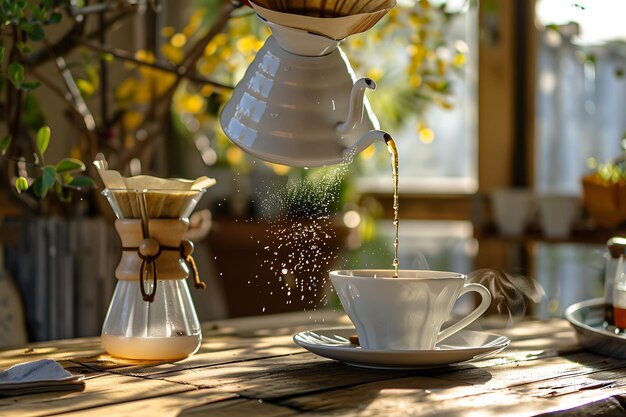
[151,315]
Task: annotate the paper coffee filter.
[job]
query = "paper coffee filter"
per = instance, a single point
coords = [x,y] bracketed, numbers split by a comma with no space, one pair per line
[147,182]
[336,19]
[164,197]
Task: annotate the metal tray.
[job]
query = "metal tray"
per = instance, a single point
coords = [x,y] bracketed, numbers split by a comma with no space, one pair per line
[587,318]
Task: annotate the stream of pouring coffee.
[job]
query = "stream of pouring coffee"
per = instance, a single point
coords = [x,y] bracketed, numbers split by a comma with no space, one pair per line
[393,150]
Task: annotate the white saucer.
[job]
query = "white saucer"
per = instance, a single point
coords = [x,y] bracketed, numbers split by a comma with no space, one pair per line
[462,346]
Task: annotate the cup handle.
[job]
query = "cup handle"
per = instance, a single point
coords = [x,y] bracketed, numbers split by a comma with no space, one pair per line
[478,311]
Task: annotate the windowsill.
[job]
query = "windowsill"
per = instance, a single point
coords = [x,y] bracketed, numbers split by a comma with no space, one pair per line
[416,186]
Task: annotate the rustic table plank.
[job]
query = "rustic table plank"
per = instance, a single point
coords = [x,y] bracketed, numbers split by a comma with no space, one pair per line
[163,406]
[211,353]
[395,397]
[103,390]
[240,408]
[251,366]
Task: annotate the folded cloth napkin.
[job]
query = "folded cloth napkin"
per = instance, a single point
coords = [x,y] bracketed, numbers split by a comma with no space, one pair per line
[38,376]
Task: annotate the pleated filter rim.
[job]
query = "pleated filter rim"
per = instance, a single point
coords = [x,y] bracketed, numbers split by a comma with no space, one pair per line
[326,8]
[336,19]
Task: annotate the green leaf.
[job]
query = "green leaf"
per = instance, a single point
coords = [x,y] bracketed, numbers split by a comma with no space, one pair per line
[82,181]
[66,179]
[86,88]
[23,48]
[39,13]
[70,164]
[49,175]
[4,144]
[16,73]
[32,115]
[38,189]
[43,139]
[55,18]
[29,85]
[1,54]
[21,184]
[34,31]
[43,184]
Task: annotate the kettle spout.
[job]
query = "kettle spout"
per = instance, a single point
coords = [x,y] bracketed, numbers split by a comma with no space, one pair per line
[355,112]
[365,141]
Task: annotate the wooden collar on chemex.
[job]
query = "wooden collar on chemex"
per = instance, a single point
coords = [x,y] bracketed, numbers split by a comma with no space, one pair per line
[149,251]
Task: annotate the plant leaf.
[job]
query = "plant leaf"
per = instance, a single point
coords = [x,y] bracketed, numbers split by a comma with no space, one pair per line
[29,85]
[55,18]
[43,139]
[38,189]
[86,88]
[1,54]
[23,48]
[16,73]
[43,184]
[82,181]
[49,176]
[4,144]
[21,184]
[35,32]
[70,164]
[32,115]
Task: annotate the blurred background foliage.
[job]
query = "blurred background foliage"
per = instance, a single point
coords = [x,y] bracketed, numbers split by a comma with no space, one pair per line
[128,104]
[406,53]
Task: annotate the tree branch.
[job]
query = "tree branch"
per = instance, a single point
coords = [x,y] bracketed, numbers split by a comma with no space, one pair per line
[189,62]
[160,65]
[65,96]
[63,46]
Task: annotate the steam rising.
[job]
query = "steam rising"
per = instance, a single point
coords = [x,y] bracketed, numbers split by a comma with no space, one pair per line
[511,294]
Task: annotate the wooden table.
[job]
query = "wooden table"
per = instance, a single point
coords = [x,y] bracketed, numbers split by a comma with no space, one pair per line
[250,367]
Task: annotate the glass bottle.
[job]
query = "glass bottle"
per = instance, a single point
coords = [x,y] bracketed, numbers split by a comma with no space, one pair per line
[616,246]
[619,294]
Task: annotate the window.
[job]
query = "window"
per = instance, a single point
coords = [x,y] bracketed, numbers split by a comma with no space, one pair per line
[443,157]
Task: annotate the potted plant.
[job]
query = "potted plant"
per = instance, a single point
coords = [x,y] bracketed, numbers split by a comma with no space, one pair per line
[64,262]
[604,193]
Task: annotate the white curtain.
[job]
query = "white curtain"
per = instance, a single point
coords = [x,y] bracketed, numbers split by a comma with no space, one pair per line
[580,109]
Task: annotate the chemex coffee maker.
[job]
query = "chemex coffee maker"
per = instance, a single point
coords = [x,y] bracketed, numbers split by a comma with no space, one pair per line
[299,102]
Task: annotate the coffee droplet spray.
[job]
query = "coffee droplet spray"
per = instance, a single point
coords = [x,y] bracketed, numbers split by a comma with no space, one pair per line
[393,151]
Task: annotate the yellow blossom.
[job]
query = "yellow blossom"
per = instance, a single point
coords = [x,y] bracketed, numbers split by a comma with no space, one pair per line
[172,53]
[145,56]
[210,48]
[234,155]
[179,40]
[220,39]
[426,135]
[193,103]
[278,169]
[168,31]
[444,104]
[368,152]
[375,73]
[132,119]
[356,42]
[194,23]
[248,45]
[75,152]
[415,80]
[126,88]
[459,60]
[207,90]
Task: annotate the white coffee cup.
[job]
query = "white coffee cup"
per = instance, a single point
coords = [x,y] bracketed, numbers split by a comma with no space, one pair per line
[404,313]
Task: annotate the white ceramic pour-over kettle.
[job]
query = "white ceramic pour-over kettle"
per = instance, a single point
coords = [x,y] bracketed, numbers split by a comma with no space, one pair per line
[299,102]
